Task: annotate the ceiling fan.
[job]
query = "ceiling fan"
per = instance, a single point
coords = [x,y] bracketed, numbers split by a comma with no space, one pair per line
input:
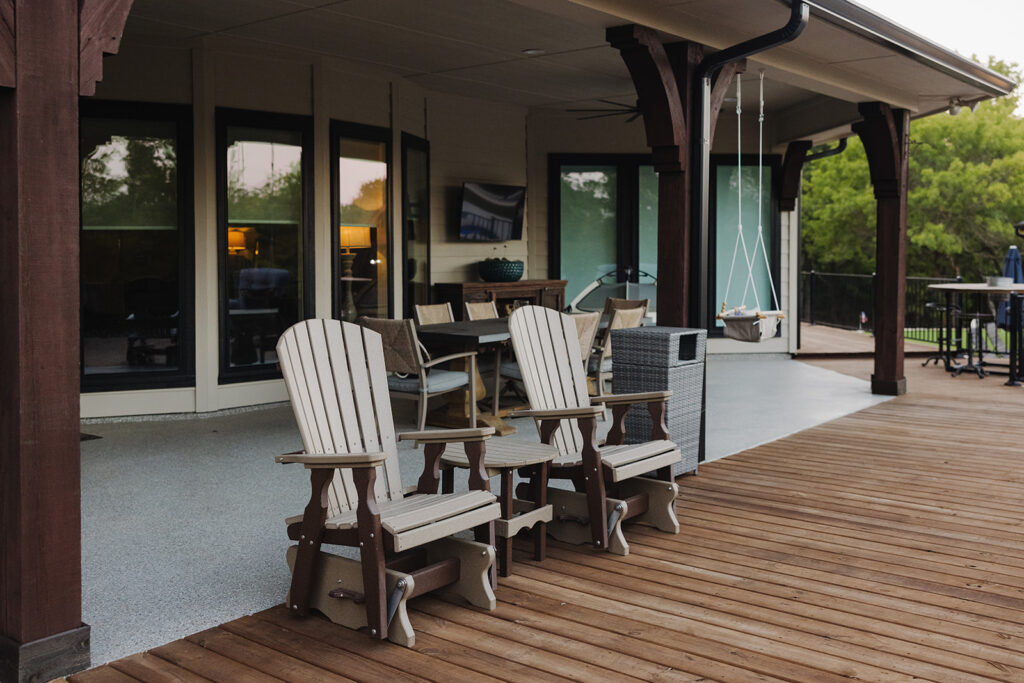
[613,109]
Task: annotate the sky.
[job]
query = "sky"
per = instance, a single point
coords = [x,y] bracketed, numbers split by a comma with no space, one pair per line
[978,27]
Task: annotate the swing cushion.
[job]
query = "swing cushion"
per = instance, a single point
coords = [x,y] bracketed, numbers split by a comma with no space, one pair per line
[750,328]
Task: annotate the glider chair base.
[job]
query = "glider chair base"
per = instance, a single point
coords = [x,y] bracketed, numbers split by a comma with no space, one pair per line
[647,501]
[449,565]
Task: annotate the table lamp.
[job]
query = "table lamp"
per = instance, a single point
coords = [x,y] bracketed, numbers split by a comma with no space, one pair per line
[351,237]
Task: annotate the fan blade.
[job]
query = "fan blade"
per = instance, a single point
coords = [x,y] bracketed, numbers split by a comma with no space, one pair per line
[633,118]
[601,116]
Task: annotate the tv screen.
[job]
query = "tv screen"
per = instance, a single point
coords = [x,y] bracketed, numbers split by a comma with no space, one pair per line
[491,213]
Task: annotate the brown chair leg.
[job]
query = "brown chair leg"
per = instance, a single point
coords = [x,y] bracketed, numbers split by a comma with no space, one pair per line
[504,547]
[310,538]
[594,477]
[371,553]
[540,497]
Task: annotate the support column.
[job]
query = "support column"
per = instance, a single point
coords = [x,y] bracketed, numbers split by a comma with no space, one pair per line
[662,76]
[41,631]
[885,133]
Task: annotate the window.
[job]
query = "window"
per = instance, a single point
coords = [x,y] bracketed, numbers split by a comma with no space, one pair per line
[604,218]
[361,181]
[136,246]
[415,222]
[264,238]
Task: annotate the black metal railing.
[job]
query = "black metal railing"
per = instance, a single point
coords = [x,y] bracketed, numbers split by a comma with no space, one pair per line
[847,301]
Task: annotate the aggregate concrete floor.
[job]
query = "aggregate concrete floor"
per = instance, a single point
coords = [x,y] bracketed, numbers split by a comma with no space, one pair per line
[182,517]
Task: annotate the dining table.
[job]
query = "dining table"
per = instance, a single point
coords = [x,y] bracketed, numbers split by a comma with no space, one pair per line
[955,292]
[489,335]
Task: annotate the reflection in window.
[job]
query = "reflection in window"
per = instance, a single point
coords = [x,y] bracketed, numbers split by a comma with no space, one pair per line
[416,221]
[362,229]
[263,264]
[588,218]
[130,247]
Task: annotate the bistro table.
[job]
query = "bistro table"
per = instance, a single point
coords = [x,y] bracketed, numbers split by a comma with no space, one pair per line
[470,335]
[959,289]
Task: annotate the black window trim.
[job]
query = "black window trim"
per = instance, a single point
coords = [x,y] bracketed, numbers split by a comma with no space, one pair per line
[226,116]
[410,141]
[359,131]
[185,375]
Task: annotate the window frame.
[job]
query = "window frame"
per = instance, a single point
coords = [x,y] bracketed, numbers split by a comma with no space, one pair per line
[627,226]
[185,376]
[225,117]
[367,133]
[410,141]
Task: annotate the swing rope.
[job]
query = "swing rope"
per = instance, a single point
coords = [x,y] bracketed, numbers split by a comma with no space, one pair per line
[750,256]
[740,240]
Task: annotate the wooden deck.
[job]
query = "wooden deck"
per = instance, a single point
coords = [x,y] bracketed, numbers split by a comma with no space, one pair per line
[821,340]
[884,546]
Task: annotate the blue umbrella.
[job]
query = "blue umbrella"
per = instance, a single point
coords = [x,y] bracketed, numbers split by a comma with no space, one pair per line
[1012,268]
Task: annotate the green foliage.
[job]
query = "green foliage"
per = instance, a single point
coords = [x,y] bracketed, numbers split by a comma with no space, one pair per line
[130,182]
[966,190]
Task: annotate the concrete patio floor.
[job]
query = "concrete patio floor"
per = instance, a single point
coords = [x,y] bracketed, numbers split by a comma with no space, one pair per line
[183,516]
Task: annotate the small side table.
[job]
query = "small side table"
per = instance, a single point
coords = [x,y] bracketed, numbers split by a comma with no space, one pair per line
[504,457]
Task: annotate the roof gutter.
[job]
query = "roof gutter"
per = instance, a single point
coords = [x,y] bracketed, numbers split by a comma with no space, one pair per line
[879,30]
[709,66]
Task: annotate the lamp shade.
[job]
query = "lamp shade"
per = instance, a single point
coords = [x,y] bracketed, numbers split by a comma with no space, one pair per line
[236,240]
[354,237]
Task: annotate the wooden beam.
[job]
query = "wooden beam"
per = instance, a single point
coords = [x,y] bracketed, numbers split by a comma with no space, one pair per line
[7,43]
[886,136]
[789,177]
[100,29]
[721,88]
[41,630]
[658,97]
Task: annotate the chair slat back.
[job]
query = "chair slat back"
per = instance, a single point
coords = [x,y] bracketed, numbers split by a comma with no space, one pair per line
[612,304]
[335,376]
[548,351]
[431,314]
[483,310]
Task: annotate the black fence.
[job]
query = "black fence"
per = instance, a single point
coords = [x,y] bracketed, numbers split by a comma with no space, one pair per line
[848,302]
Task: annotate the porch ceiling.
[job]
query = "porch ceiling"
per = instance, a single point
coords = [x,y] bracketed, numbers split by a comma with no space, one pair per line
[476,49]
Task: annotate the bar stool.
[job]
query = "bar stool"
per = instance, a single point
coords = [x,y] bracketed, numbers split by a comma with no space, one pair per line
[944,337]
[505,457]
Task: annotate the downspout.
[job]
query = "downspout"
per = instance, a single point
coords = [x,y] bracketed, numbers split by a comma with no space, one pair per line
[799,13]
[824,154]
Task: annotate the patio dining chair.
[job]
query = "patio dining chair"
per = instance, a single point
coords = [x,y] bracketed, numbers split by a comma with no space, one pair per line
[432,314]
[610,481]
[413,374]
[600,363]
[335,376]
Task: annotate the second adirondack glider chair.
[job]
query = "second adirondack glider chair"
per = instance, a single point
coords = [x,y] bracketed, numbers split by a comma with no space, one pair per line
[609,480]
[337,384]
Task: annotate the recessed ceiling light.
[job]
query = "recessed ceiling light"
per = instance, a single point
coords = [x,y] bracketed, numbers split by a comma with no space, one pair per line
[533,52]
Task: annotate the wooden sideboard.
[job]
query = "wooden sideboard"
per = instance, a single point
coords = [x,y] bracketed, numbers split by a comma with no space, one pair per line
[505,295]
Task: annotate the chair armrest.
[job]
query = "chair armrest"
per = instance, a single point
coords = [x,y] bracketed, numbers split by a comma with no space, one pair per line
[333,460]
[451,356]
[560,413]
[448,435]
[644,397]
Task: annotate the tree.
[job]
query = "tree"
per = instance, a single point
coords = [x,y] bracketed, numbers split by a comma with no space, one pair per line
[966,173]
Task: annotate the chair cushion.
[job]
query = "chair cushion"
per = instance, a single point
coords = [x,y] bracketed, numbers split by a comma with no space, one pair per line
[437,380]
[606,364]
[510,369]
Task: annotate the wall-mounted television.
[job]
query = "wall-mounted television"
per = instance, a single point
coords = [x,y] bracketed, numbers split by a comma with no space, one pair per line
[491,213]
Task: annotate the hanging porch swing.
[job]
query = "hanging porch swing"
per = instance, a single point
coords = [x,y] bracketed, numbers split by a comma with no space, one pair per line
[741,323]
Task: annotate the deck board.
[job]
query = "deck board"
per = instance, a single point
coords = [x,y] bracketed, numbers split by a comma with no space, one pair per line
[886,545]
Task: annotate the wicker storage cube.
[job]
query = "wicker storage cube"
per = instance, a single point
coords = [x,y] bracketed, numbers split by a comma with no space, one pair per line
[682,416]
[663,347]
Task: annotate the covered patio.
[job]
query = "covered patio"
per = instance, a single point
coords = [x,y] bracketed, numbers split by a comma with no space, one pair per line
[433,97]
[884,545]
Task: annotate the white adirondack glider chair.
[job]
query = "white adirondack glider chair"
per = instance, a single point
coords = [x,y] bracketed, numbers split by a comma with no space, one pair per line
[335,376]
[609,481]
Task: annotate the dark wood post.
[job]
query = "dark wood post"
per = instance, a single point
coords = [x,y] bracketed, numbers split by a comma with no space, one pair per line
[885,133]
[41,629]
[50,52]
[662,77]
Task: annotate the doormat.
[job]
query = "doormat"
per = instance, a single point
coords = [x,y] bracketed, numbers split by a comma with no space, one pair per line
[87,437]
